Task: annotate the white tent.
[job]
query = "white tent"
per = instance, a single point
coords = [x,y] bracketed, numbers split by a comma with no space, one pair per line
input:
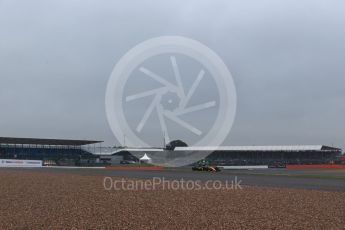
[145,159]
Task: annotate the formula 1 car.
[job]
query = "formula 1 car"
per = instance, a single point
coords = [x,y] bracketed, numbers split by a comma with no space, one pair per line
[206,168]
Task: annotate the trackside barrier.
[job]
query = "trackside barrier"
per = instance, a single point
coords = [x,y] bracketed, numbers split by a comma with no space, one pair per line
[322,166]
[245,167]
[144,168]
[20,163]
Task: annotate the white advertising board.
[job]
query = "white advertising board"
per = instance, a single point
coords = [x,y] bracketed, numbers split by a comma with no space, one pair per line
[20,163]
[245,167]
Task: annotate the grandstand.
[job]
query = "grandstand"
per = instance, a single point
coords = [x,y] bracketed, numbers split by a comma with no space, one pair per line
[268,155]
[247,155]
[58,151]
[86,153]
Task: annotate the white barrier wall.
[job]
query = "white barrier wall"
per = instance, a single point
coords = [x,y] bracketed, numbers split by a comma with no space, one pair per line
[245,167]
[20,163]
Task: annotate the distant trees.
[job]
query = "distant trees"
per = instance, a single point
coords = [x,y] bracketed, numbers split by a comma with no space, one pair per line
[176,143]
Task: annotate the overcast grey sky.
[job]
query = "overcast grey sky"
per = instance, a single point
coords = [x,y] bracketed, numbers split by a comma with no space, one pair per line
[286,58]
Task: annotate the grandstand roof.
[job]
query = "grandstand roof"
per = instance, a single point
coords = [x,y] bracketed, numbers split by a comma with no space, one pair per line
[290,148]
[285,148]
[112,151]
[39,141]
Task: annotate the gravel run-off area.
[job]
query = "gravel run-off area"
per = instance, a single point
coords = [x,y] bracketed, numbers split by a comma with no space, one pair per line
[36,200]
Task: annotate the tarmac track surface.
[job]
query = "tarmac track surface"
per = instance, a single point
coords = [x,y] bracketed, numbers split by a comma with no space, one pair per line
[267,178]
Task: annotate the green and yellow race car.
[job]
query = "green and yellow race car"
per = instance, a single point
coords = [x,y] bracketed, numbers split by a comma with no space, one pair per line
[206,168]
